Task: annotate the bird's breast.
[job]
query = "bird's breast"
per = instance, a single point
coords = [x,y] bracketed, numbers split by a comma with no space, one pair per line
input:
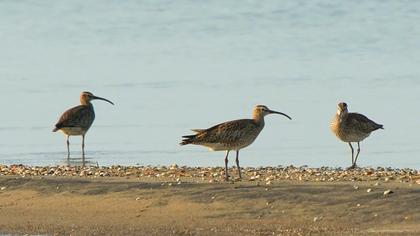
[73,131]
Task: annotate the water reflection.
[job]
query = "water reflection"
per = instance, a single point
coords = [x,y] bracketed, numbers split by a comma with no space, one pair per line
[79,161]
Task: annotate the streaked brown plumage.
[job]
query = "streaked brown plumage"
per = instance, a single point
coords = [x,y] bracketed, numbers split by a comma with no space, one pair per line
[77,120]
[352,127]
[231,135]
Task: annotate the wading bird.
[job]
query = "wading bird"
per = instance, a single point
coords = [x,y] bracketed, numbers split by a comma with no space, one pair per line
[231,135]
[352,127]
[77,120]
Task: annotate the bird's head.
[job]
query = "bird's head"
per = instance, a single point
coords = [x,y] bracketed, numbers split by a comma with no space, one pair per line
[261,111]
[342,108]
[86,97]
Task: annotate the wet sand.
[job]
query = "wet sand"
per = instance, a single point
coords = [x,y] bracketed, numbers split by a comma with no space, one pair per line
[187,205]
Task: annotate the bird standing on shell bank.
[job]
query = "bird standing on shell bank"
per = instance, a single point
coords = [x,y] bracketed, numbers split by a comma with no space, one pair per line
[77,120]
[352,127]
[231,135]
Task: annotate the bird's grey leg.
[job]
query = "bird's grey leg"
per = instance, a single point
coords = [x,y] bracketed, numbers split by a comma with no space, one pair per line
[352,155]
[226,165]
[357,155]
[68,148]
[83,150]
[237,164]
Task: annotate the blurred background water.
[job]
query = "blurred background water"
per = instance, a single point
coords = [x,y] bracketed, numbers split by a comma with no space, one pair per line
[174,65]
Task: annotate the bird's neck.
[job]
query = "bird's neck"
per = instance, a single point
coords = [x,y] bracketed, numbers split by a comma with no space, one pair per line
[259,119]
[341,115]
[85,103]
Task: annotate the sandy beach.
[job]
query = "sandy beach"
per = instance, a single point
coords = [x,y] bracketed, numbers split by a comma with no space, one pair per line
[177,203]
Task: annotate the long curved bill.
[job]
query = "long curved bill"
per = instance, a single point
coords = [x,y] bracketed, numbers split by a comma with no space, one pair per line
[103,99]
[280,113]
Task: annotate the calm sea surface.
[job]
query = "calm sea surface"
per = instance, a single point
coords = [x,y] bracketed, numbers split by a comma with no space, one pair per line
[174,65]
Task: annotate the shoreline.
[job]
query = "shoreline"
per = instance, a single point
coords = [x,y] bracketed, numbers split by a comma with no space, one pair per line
[265,175]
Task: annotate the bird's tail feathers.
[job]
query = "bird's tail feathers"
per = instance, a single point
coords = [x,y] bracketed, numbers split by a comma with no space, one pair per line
[187,139]
[197,130]
[57,126]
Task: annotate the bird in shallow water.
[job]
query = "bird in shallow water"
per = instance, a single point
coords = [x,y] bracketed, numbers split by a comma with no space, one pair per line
[352,127]
[231,135]
[77,120]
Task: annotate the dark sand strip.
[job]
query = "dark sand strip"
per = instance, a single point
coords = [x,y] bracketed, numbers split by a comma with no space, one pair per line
[144,206]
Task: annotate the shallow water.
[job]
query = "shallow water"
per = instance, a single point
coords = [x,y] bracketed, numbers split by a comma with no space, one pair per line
[171,66]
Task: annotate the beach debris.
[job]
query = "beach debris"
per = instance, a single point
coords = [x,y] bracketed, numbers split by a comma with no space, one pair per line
[137,198]
[358,205]
[369,190]
[387,192]
[2,188]
[252,178]
[316,218]
[263,175]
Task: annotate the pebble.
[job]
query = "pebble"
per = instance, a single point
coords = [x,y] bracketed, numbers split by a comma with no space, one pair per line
[2,188]
[388,192]
[369,190]
[316,218]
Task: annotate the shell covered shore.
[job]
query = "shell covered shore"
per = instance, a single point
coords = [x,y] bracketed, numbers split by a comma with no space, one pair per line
[178,174]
